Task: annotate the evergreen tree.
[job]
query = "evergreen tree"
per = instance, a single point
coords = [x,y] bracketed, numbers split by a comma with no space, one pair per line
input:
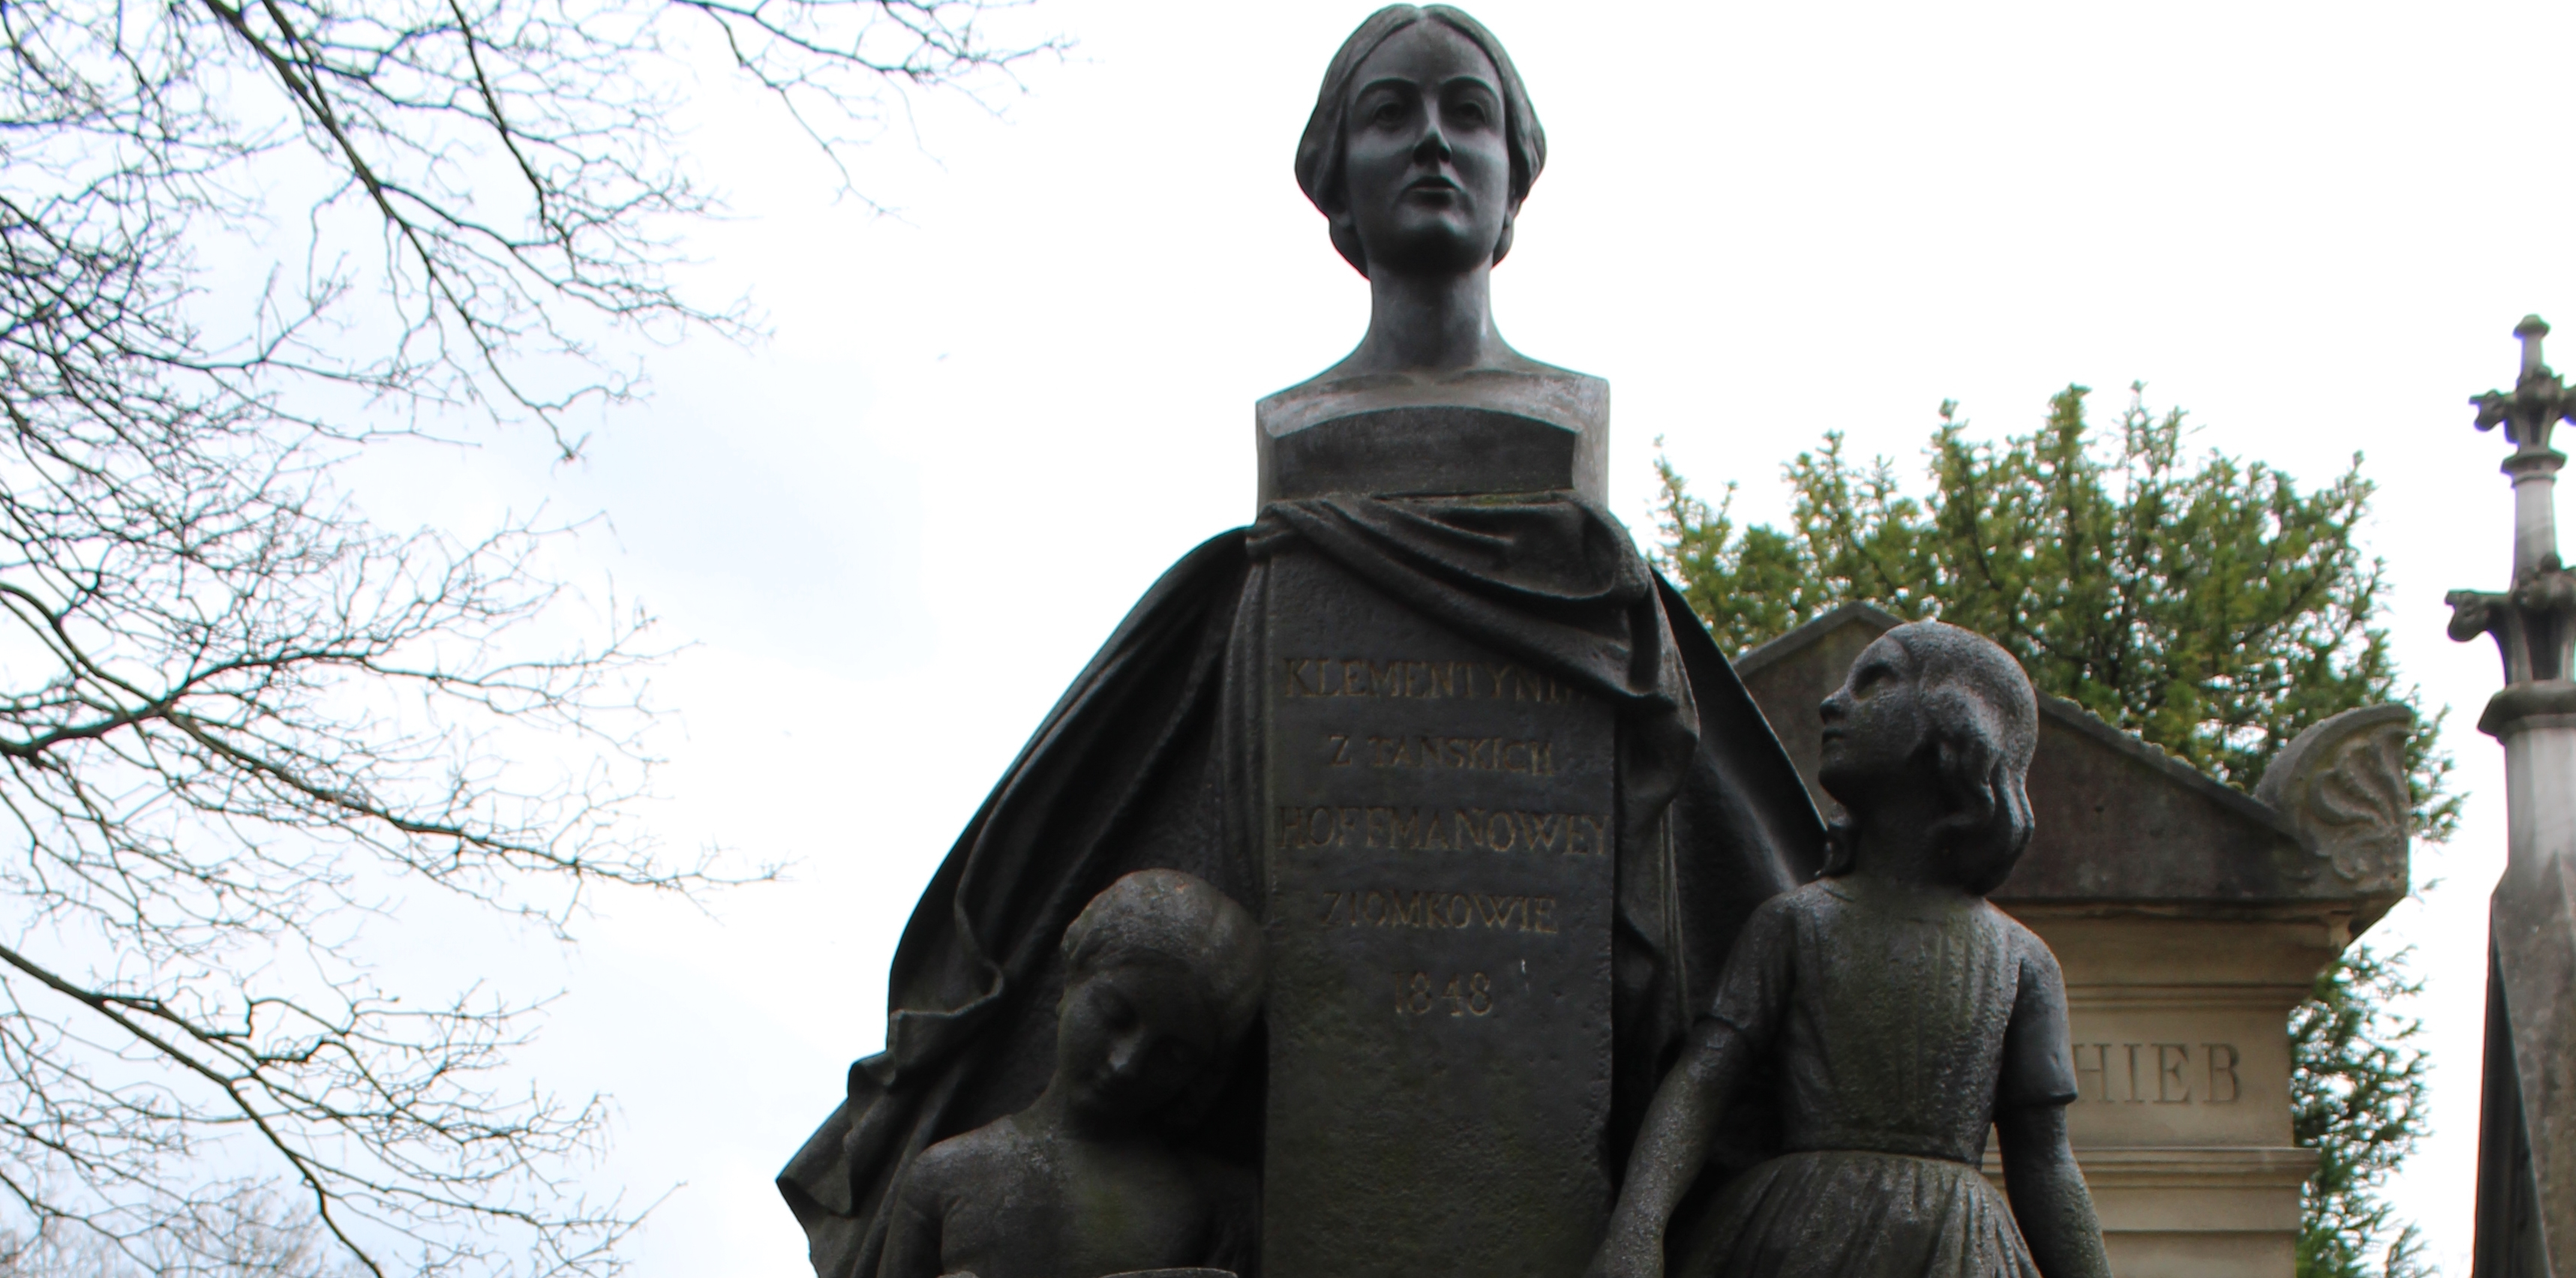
[2201,602]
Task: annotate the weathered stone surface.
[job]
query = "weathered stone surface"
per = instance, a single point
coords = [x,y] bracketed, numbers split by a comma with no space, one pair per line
[2526,1215]
[1479,431]
[1440,912]
[2342,787]
[2527,1198]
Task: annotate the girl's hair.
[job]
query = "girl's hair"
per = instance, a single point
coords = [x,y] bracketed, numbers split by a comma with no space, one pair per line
[1982,724]
[1175,920]
[1320,151]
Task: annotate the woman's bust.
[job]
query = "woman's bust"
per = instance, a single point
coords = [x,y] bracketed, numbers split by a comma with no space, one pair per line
[1419,153]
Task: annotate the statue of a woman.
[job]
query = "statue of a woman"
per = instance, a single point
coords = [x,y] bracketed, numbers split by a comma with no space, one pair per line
[1451,474]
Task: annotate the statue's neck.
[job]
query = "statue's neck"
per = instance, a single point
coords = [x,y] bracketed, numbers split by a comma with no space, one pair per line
[1901,836]
[1429,324]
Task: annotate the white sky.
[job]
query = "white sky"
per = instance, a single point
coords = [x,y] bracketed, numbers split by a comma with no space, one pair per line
[895,531]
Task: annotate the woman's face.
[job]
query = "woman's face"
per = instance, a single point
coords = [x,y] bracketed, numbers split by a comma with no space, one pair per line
[1873,724]
[1426,167]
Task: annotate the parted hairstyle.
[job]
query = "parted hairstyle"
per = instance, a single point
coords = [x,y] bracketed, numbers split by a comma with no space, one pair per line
[1320,151]
[1174,920]
[1981,726]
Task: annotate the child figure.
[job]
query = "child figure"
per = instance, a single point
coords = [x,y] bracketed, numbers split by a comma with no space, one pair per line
[1901,1014]
[1163,975]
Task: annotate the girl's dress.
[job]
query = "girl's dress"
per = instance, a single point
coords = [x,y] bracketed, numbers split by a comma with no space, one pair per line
[1897,1021]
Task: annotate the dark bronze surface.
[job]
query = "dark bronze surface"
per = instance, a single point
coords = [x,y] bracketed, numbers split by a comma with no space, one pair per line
[1441,886]
[1164,975]
[1487,941]
[1897,1013]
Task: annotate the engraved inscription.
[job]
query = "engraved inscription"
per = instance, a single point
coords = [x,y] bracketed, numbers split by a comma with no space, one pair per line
[1379,907]
[2158,1073]
[1437,828]
[1468,995]
[1428,750]
[1440,680]
[1434,829]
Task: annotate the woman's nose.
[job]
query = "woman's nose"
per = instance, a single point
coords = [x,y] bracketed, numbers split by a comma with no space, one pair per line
[1434,145]
[1833,708]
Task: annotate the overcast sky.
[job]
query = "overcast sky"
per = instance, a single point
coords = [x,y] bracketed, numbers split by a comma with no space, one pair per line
[895,530]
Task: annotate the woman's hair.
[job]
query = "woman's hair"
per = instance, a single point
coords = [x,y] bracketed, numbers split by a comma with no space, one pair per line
[1174,920]
[1320,151]
[1982,724]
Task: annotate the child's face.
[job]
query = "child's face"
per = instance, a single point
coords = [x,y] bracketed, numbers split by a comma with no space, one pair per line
[1873,724]
[1130,1039]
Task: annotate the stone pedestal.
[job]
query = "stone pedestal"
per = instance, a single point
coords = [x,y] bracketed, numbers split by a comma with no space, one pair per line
[2190,918]
[1439,845]
[1440,900]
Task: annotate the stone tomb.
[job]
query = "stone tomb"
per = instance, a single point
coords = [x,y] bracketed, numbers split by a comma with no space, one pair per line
[2190,918]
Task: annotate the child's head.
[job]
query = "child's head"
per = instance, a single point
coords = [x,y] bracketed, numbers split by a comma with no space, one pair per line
[1950,703]
[1163,974]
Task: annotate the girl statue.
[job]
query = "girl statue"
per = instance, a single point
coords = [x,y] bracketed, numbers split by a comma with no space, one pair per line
[1899,1013]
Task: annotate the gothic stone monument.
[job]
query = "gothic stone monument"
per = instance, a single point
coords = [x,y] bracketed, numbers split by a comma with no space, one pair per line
[2526,1216]
[2189,917]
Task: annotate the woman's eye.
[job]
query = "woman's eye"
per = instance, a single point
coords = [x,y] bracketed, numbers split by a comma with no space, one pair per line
[1387,115]
[1471,113]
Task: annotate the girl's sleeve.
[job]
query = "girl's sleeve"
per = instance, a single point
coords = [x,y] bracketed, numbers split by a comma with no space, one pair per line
[1755,986]
[2038,1067]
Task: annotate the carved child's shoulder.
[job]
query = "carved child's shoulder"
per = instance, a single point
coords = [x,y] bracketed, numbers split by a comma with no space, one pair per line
[2037,961]
[1000,1148]
[1808,904]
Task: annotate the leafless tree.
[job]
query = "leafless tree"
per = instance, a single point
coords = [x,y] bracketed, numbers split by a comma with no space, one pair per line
[249,1234]
[235,717]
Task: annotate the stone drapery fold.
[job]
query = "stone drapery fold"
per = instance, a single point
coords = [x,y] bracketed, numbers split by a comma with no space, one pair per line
[1150,759]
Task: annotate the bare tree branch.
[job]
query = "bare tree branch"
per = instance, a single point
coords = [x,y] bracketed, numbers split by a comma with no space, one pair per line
[235,716]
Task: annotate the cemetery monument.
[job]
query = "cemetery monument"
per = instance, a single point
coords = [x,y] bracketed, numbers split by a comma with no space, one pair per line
[2526,1221]
[1503,811]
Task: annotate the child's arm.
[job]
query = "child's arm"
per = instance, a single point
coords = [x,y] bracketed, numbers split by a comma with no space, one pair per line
[912,1227]
[1671,1146]
[2049,1200]
[1673,1141]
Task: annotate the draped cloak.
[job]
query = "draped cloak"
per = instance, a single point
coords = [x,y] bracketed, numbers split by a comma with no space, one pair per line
[1151,759]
